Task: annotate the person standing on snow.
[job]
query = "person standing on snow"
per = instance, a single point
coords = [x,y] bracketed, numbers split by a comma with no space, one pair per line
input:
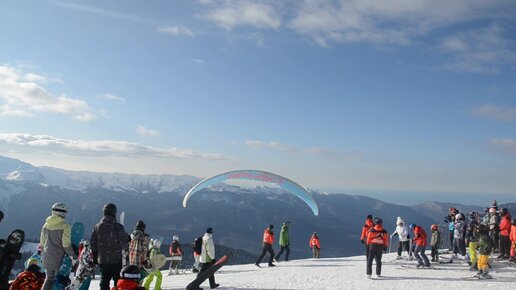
[505,231]
[365,229]
[55,241]
[403,237]
[378,241]
[284,241]
[196,249]
[512,236]
[139,247]
[485,247]
[154,250]
[472,240]
[176,253]
[494,227]
[108,240]
[207,258]
[459,245]
[420,242]
[435,241]
[315,245]
[268,240]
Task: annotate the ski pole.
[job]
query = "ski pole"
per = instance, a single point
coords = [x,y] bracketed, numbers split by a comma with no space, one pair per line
[390,244]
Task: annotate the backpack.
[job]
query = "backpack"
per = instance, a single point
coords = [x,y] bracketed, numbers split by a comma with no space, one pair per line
[197,246]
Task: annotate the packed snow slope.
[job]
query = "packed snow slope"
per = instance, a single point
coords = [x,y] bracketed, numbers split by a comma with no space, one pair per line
[347,273]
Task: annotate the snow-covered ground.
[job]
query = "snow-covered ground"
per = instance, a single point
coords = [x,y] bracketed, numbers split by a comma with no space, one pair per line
[348,273]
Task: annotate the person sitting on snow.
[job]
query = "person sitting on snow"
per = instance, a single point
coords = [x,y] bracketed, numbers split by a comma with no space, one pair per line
[31,278]
[129,279]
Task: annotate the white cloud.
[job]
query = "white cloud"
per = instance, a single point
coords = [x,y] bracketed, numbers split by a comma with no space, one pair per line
[103,12]
[142,130]
[24,96]
[177,30]
[507,146]
[111,97]
[199,61]
[230,14]
[100,148]
[490,111]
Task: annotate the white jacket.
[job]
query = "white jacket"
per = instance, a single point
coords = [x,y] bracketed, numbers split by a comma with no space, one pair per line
[402,232]
[208,249]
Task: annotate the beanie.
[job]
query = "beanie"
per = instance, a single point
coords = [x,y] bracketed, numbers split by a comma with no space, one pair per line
[369,217]
[110,209]
[209,231]
[140,225]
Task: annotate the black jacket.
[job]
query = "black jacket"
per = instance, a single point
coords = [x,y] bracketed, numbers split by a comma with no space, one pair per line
[108,239]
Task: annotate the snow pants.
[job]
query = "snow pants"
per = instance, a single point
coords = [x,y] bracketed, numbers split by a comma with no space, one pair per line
[404,246]
[159,278]
[483,262]
[196,262]
[204,267]
[421,258]
[267,248]
[459,246]
[435,253]
[473,252]
[287,252]
[377,256]
[367,251]
[505,246]
[495,237]
[49,279]
[451,239]
[316,252]
[108,272]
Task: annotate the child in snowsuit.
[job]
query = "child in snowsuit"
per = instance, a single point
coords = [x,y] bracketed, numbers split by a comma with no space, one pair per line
[30,279]
[156,245]
[365,229]
[485,247]
[315,245]
[176,253]
[378,241]
[435,242]
[472,242]
[403,237]
[129,279]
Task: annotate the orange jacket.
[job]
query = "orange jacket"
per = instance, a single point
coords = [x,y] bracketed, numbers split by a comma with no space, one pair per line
[367,226]
[513,234]
[268,237]
[420,237]
[314,241]
[505,225]
[378,236]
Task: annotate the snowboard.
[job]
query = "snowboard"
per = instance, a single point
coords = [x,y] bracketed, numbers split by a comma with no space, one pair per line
[86,267]
[156,263]
[417,268]
[9,252]
[194,285]
[63,275]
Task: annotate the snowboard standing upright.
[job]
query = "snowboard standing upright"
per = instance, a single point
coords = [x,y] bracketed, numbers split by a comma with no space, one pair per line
[63,275]
[194,285]
[9,252]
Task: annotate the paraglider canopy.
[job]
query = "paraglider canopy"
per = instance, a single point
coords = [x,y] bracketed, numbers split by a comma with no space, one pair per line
[257,175]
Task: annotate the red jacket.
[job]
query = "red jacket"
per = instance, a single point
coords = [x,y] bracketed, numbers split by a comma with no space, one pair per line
[378,236]
[420,237]
[268,237]
[314,241]
[126,284]
[367,226]
[513,234]
[505,225]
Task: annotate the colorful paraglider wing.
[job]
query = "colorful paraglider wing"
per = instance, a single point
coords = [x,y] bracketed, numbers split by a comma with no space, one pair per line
[257,175]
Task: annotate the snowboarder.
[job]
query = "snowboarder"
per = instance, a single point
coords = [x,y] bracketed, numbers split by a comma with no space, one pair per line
[284,241]
[196,249]
[378,241]
[315,245]
[108,240]
[30,279]
[472,241]
[176,253]
[268,240]
[505,231]
[154,250]
[420,241]
[403,237]
[139,247]
[435,242]
[55,241]
[485,247]
[365,229]
[459,245]
[129,279]
[207,258]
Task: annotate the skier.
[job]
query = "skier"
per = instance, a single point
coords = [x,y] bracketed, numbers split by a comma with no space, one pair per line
[284,241]
[420,241]
[30,279]
[485,247]
[378,241]
[505,231]
[268,240]
[315,245]
[55,241]
[472,242]
[513,240]
[459,245]
[365,229]
[207,258]
[196,249]
[403,237]
[494,227]
[435,242]
[108,240]
[176,253]
[139,247]
[129,279]
[154,250]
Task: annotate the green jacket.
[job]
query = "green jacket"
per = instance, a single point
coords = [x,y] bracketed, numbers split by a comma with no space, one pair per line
[284,239]
[485,245]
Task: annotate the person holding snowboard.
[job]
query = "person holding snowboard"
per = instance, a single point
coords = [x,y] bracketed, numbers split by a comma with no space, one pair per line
[420,241]
[435,241]
[315,245]
[129,279]
[378,241]
[30,279]
[403,237]
[154,250]
[207,258]
[108,240]
[268,240]
[176,253]
[139,247]
[284,241]
[55,241]
[485,247]
[365,229]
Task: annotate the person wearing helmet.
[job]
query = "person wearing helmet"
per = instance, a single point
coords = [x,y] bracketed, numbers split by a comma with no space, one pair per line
[130,278]
[154,250]
[459,245]
[365,229]
[485,248]
[472,242]
[378,241]
[512,236]
[108,241]
[176,253]
[494,227]
[284,241]
[268,240]
[55,241]
[315,245]
[485,218]
[435,242]
[403,237]
[420,242]
[505,231]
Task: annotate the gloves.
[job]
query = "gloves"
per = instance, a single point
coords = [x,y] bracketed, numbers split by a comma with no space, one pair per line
[362,241]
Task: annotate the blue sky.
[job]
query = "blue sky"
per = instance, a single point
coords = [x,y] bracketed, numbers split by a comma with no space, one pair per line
[346,96]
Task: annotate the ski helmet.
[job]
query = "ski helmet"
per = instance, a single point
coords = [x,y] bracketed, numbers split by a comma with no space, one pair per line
[459,216]
[412,226]
[157,243]
[110,209]
[59,209]
[130,272]
[504,211]
[378,221]
[434,227]
[175,238]
[513,222]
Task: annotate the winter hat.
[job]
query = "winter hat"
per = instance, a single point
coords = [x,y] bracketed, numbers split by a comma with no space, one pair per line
[271,227]
[59,209]
[495,204]
[209,231]
[110,209]
[369,217]
[140,225]
[400,221]
[34,268]
[504,211]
